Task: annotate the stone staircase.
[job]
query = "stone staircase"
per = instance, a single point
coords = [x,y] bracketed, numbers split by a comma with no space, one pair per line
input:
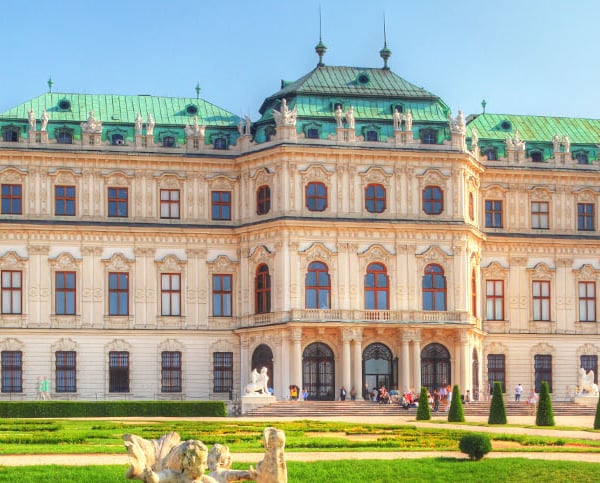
[312,409]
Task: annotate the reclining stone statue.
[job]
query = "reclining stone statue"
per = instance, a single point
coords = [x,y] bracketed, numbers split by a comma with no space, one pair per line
[219,465]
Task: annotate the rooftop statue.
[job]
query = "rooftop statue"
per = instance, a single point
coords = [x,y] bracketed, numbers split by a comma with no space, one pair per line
[457,125]
[408,120]
[194,129]
[32,121]
[350,117]
[397,120]
[138,124]
[339,116]
[44,120]
[474,139]
[150,126]
[556,143]
[566,143]
[515,142]
[285,116]
[91,125]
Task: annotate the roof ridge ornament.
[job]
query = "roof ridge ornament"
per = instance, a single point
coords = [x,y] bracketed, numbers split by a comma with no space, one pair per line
[320,48]
[385,53]
[50,84]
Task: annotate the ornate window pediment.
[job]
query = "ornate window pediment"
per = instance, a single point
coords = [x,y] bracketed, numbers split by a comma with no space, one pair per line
[433,254]
[65,261]
[494,191]
[262,176]
[316,252]
[541,272]
[171,345]
[118,263]
[12,261]
[12,175]
[433,177]
[65,177]
[316,172]
[170,264]
[586,273]
[221,182]
[585,195]
[170,180]
[494,271]
[65,344]
[375,175]
[542,348]
[118,178]
[540,192]
[374,253]
[222,264]
[261,254]
[117,345]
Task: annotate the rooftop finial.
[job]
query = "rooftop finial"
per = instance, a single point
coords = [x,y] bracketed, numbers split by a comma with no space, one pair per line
[198,90]
[385,53]
[483,104]
[320,49]
[50,84]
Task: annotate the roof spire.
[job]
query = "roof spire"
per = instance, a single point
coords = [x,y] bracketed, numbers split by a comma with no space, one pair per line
[320,48]
[198,90]
[483,104]
[50,84]
[385,53]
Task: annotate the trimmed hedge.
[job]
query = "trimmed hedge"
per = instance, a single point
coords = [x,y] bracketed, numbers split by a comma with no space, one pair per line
[423,411]
[597,417]
[456,413]
[497,408]
[545,414]
[90,409]
[476,445]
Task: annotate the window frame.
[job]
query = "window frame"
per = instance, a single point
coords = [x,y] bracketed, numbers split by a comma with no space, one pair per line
[11,369]
[65,292]
[494,213]
[170,297]
[222,372]
[118,201]
[496,365]
[263,199]
[12,293]
[316,196]
[222,294]
[541,300]
[65,366]
[432,198]
[116,293]
[262,290]
[494,300]
[542,366]
[375,198]
[119,364]
[220,205]
[12,199]
[170,204]
[432,291]
[170,371]
[67,201]
[586,216]
[540,215]
[586,301]
[318,282]
[376,294]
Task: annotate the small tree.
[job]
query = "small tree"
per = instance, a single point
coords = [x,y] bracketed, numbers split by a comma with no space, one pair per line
[423,411]
[456,413]
[476,445]
[497,408]
[597,418]
[545,415]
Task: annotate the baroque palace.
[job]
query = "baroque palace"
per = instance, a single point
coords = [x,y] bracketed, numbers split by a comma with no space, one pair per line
[357,234]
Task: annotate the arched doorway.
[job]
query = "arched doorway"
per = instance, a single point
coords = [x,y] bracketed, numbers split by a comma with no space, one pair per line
[263,357]
[435,366]
[378,368]
[475,375]
[318,372]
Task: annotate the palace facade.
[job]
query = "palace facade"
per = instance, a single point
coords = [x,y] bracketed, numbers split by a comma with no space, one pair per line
[356,234]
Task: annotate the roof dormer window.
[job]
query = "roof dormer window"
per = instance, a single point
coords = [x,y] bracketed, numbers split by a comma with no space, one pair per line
[362,79]
[64,105]
[191,109]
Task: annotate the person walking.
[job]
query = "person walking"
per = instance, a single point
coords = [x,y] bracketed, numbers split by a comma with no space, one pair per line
[518,392]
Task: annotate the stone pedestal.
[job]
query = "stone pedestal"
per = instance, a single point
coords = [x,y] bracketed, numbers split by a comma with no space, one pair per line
[586,400]
[256,401]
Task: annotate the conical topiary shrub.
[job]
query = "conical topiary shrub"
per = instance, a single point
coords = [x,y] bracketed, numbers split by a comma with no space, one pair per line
[545,415]
[497,408]
[456,413]
[597,418]
[423,411]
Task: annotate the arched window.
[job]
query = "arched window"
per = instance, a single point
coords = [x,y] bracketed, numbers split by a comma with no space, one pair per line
[262,290]
[263,200]
[434,288]
[316,196]
[474,293]
[375,198]
[376,287]
[433,200]
[317,286]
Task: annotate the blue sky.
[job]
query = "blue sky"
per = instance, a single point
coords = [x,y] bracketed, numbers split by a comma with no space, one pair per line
[523,57]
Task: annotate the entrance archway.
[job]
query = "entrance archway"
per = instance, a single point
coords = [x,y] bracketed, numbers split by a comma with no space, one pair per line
[378,366]
[435,366]
[318,372]
[263,357]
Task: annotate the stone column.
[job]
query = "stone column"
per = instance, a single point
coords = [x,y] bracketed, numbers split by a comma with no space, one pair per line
[244,362]
[357,377]
[405,382]
[466,382]
[417,363]
[296,362]
[347,335]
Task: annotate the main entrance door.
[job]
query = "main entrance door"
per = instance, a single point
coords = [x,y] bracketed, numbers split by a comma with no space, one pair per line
[263,357]
[435,366]
[377,366]
[318,372]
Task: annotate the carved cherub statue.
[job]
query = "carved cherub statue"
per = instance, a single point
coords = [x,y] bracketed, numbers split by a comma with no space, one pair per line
[219,465]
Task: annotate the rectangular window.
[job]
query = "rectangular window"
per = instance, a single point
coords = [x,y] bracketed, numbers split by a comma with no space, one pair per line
[585,216]
[222,294]
[64,200]
[118,201]
[540,213]
[221,205]
[170,371]
[543,370]
[66,370]
[589,363]
[223,371]
[170,294]
[587,301]
[12,291]
[493,213]
[541,299]
[169,203]
[65,293]
[496,371]
[118,293]
[118,371]
[494,293]
[12,371]
[12,199]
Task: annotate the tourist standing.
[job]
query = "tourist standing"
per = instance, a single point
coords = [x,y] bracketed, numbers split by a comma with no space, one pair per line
[518,392]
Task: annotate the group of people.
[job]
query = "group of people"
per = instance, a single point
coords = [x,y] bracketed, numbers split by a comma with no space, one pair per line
[344,393]
[519,391]
[295,393]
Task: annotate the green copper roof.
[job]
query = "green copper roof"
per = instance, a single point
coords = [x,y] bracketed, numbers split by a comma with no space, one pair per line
[351,81]
[115,109]
[536,128]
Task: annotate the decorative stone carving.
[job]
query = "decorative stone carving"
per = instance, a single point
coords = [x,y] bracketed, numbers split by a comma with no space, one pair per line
[258,384]
[91,126]
[44,121]
[586,384]
[32,121]
[457,125]
[138,124]
[272,468]
[515,143]
[285,116]
[150,125]
[219,465]
[350,117]
[397,118]
[195,130]
[408,120]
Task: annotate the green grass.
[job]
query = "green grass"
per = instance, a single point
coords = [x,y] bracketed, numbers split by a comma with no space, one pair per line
[428,470]
[86,437]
